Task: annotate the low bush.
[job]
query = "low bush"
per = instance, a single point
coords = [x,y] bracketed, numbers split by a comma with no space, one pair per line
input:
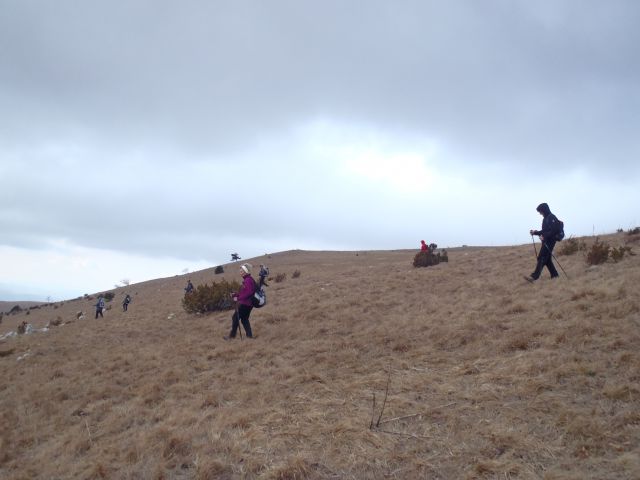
[428,258]
[295,274]
[281,277]
[210,298]
[634,231]
[598,253]
[618,253]
[571,246]
[15,309]
[219,269]
[108,296]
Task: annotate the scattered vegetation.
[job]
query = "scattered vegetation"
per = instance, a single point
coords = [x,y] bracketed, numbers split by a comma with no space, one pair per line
[15,309]
[219,269]
[598,253]
[55,323]
[571,246]
[280,277]
[108,296]
[295,274]
[235,257]
[210,298]
[634,231]
[618,253]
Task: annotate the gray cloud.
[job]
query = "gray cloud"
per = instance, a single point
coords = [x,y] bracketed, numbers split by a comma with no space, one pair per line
[164,128]
[505,79]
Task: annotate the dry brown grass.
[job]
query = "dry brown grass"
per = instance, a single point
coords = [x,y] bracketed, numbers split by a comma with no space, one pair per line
[491,378]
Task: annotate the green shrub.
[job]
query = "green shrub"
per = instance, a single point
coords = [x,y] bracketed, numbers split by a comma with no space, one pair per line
[295,274]
[426,259]
[108,296]
[281,277]
[571,246]
[219,269]
[429,257]
[634,231]
[598,253]
[210,298]
[618,253]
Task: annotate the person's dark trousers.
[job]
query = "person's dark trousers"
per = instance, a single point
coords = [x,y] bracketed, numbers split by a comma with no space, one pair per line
[124,306]
[99,312]
[244,311]
[545,259]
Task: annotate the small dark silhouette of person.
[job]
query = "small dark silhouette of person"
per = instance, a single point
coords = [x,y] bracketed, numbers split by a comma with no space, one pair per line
[100,307]
[126,302]
[550,228]
[264,273]
[244,304]
[188,288]
[423,246]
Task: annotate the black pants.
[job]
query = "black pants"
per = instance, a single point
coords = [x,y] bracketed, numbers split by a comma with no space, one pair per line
[244,311]
[99,312]
[545,259]
[125,306]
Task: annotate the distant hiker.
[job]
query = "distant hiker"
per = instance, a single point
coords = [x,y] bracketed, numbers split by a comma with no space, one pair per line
[126,302]
[100,307]
[244,304]
[264,273]
[423,246]
[188,288]
[551,226]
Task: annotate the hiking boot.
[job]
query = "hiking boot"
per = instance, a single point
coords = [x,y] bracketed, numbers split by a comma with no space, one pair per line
[529,278]
[227,338]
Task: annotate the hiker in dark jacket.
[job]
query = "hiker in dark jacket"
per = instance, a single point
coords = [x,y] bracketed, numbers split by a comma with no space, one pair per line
[550,228]
[264,273]
[126,302]
[100,307]
[244,303]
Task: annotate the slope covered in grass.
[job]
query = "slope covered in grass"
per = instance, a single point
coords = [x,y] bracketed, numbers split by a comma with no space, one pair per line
[484,375]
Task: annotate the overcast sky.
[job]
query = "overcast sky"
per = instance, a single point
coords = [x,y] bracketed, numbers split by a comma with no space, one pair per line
[141,139]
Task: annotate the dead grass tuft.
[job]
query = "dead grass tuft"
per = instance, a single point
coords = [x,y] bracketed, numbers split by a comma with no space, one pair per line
[295,468]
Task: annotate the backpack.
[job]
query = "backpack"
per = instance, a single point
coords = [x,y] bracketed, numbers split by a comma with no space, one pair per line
[259,298]
[559,236]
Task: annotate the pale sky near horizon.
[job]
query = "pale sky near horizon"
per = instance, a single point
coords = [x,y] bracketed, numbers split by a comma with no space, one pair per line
[142,139]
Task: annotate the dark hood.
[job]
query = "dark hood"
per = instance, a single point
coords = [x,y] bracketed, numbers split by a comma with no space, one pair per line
[544,209]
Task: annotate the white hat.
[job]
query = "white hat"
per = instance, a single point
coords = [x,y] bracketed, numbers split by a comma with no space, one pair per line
[246,268]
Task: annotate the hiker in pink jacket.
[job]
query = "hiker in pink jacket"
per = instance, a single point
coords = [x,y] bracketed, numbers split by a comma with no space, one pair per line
[244,303]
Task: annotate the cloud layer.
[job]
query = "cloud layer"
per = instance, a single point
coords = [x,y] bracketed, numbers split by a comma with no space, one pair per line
[161,129]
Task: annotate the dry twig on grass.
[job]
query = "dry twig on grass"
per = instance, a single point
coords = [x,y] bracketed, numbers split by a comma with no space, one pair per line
[384,403]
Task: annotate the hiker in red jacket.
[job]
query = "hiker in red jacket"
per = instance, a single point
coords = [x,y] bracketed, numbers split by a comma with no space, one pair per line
[423,246]
[244,303]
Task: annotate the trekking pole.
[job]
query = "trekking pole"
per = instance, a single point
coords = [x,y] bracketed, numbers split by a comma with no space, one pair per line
[238,318]
[534,245]
[554,257]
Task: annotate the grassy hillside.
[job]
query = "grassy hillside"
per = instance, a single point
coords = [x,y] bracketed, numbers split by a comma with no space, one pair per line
[475,374]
